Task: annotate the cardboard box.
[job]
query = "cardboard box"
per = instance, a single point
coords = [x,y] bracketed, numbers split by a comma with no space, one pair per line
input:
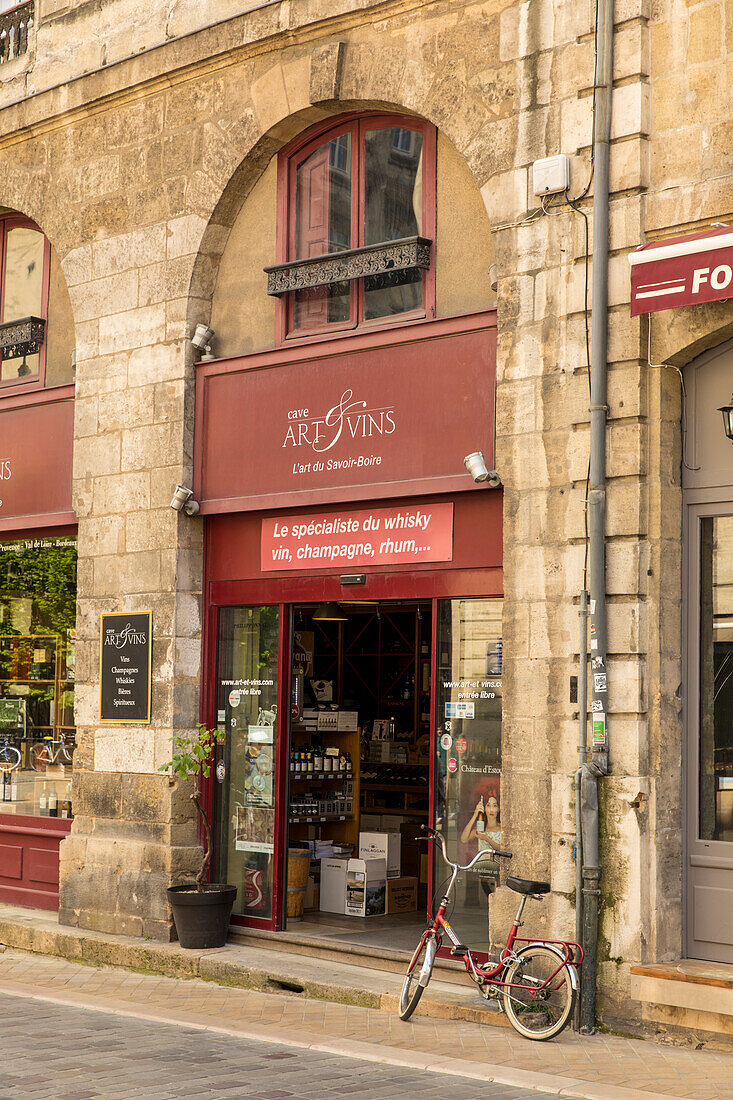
[371,823]
[333,885]
[366,888]
[348,721]
[312,893]
[382,846]
[402,894]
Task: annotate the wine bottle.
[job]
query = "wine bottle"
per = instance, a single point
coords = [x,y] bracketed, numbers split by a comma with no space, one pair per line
[481,820]
[43,802]
[53,803]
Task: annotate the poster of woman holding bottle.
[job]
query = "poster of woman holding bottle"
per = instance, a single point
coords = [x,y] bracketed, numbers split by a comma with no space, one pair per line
[484,827]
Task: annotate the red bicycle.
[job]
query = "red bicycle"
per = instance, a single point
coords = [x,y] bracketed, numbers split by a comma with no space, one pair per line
[536,985]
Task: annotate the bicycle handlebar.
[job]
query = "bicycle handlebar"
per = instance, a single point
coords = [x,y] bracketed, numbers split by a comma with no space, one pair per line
[436,836]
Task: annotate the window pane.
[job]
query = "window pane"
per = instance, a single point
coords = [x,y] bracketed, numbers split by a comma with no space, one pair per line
[37,640]
[247,694]
[468,772]
[716,678]
[323,224]
[23,291]
[23,274]
[22,367]
[393,209]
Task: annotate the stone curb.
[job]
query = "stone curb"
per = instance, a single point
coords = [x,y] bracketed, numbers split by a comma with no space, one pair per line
[39,936]
[351,1048]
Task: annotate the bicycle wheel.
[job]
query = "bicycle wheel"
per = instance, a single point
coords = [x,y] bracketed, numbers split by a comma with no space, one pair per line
[418,975]
[539,1011]
[9,759]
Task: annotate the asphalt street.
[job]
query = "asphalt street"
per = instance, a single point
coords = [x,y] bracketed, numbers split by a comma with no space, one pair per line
[68,1053]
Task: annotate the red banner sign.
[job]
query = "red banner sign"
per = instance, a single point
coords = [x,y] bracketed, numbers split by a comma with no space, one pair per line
[682,272]
[316,424]
[351,539]
[36,445]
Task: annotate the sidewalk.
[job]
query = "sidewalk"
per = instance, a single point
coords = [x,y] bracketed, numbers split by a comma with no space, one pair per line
[599,1067]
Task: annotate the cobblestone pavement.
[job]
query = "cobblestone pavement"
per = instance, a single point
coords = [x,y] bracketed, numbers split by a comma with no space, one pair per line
[600,1067]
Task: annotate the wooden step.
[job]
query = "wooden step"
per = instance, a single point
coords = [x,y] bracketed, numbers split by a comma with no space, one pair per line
[689,994]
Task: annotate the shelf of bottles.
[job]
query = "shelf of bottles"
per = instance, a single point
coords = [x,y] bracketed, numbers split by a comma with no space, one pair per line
[312,762]
[37,678]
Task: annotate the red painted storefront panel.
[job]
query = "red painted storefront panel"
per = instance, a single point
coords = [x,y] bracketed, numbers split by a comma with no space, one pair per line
[36,447]
[29,859]
[379,416]
[234,565]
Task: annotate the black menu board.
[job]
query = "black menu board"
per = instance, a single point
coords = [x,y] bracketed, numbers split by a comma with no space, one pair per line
[125,666]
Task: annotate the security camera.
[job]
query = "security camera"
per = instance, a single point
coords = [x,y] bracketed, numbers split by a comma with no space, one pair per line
[477,468]
[201,340]
[494,277]
[183,501]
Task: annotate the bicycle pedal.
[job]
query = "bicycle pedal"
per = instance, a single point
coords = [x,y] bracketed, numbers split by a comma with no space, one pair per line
[459,951]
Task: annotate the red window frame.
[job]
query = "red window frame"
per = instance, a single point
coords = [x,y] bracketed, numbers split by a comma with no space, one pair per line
[289,160]
[15,221]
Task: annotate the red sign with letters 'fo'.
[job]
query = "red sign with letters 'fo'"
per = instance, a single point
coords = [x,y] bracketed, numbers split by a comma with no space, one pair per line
[358,538]
[683,271]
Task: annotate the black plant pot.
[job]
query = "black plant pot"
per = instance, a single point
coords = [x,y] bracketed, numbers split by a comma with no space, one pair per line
[202,918]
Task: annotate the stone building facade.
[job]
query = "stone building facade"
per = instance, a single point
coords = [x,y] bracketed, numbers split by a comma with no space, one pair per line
[144,143]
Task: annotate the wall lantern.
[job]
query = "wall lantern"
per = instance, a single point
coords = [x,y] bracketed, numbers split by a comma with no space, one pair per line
[727,411]
[329,612]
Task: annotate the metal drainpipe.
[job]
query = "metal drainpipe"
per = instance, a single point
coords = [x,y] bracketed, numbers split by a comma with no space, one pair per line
[597,515]
[582,752]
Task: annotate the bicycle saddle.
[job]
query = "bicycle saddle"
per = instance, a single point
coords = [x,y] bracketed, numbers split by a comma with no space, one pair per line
[526,886]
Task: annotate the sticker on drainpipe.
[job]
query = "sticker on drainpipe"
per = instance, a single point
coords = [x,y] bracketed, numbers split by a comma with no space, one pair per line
[599,729]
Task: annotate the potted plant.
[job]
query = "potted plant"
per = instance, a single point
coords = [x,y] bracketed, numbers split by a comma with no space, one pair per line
[201,910]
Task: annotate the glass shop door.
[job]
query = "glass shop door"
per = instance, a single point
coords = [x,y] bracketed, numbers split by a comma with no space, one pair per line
[249,772]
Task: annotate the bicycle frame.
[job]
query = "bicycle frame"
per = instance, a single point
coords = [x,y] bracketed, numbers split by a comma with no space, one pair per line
[567,951]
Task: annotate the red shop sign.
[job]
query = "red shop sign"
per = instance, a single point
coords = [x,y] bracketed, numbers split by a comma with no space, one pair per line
[356,538]
[391,417]
[683,271]
[36,446]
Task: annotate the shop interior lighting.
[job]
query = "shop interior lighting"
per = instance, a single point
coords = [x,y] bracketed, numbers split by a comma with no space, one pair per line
[475,463]
[727,411]
[329,612]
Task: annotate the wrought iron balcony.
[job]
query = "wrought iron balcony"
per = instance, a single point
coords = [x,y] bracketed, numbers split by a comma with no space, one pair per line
[15,28]
[24,337]
[409,254]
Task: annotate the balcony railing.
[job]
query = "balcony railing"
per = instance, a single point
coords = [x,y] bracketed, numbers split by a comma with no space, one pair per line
[15,28]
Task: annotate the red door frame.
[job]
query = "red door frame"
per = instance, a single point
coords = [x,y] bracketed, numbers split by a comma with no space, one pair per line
[284,591]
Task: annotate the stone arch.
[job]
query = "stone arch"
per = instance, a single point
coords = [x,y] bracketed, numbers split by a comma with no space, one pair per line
[325,81]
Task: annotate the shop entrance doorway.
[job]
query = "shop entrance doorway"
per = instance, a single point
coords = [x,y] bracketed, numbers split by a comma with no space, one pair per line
[348,724]
[359,759]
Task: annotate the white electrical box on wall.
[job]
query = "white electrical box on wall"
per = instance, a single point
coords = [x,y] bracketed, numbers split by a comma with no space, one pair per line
[551,175]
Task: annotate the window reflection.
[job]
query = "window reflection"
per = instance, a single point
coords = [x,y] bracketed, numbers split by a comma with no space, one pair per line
[392,210]
[23,292]
[468,771]
[247,709]
[323,224]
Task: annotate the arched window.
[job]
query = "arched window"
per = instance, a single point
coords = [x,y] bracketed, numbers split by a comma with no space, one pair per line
[24,277]
[356,225]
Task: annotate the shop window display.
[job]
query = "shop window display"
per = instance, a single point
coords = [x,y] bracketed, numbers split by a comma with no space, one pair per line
[37,645]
